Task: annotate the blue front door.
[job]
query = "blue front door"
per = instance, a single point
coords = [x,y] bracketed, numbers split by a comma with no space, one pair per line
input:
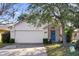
[53,36]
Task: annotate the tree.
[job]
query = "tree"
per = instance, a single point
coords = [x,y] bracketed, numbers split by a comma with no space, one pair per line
[75,19]
[48,13]
[4,7]
[7,9]
[11,11]
[75,22]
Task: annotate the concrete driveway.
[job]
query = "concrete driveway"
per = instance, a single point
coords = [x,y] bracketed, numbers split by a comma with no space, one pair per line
[23,50]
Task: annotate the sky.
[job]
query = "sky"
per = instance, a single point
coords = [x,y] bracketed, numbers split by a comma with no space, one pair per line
[20,7]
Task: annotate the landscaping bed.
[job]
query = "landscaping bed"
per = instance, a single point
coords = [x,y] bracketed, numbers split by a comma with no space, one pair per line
[5,44]
[57,49]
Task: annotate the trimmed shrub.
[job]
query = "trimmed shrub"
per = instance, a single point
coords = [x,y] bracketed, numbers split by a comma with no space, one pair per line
[68,32]
[50,42]
[77,45]
[6,37]
[45,41]
[12,41]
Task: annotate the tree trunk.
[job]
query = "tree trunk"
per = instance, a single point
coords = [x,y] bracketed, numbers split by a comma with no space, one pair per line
[64,36]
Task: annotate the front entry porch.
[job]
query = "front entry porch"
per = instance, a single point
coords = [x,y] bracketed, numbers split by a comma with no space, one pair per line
[53,36]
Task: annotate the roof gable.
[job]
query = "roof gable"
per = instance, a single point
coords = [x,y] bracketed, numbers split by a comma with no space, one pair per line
[25,26]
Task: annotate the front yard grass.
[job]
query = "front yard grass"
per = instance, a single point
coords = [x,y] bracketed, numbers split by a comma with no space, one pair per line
[58,50]
[1,44]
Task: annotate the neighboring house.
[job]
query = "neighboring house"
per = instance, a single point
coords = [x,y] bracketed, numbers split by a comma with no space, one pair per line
[75,35]
[24,32]
[3,28]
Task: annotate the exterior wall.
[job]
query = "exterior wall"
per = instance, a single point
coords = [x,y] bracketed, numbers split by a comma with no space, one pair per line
[60,33]
[12,34]
[57,32]
[27,33]
[49,32]
[29,36]
[45,33]
[26,26]
[77,36]
[58,37]
[5,27]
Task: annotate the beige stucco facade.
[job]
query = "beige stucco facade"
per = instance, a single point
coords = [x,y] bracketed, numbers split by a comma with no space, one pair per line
[58,32]
[26,33]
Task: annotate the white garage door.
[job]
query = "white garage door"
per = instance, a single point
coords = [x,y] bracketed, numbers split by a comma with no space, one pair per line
[29,36]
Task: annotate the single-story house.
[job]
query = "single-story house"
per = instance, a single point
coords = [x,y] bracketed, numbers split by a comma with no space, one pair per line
[24,32]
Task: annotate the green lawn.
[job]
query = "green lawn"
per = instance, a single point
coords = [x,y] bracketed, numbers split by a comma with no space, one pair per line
[58,50]
[1,44]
